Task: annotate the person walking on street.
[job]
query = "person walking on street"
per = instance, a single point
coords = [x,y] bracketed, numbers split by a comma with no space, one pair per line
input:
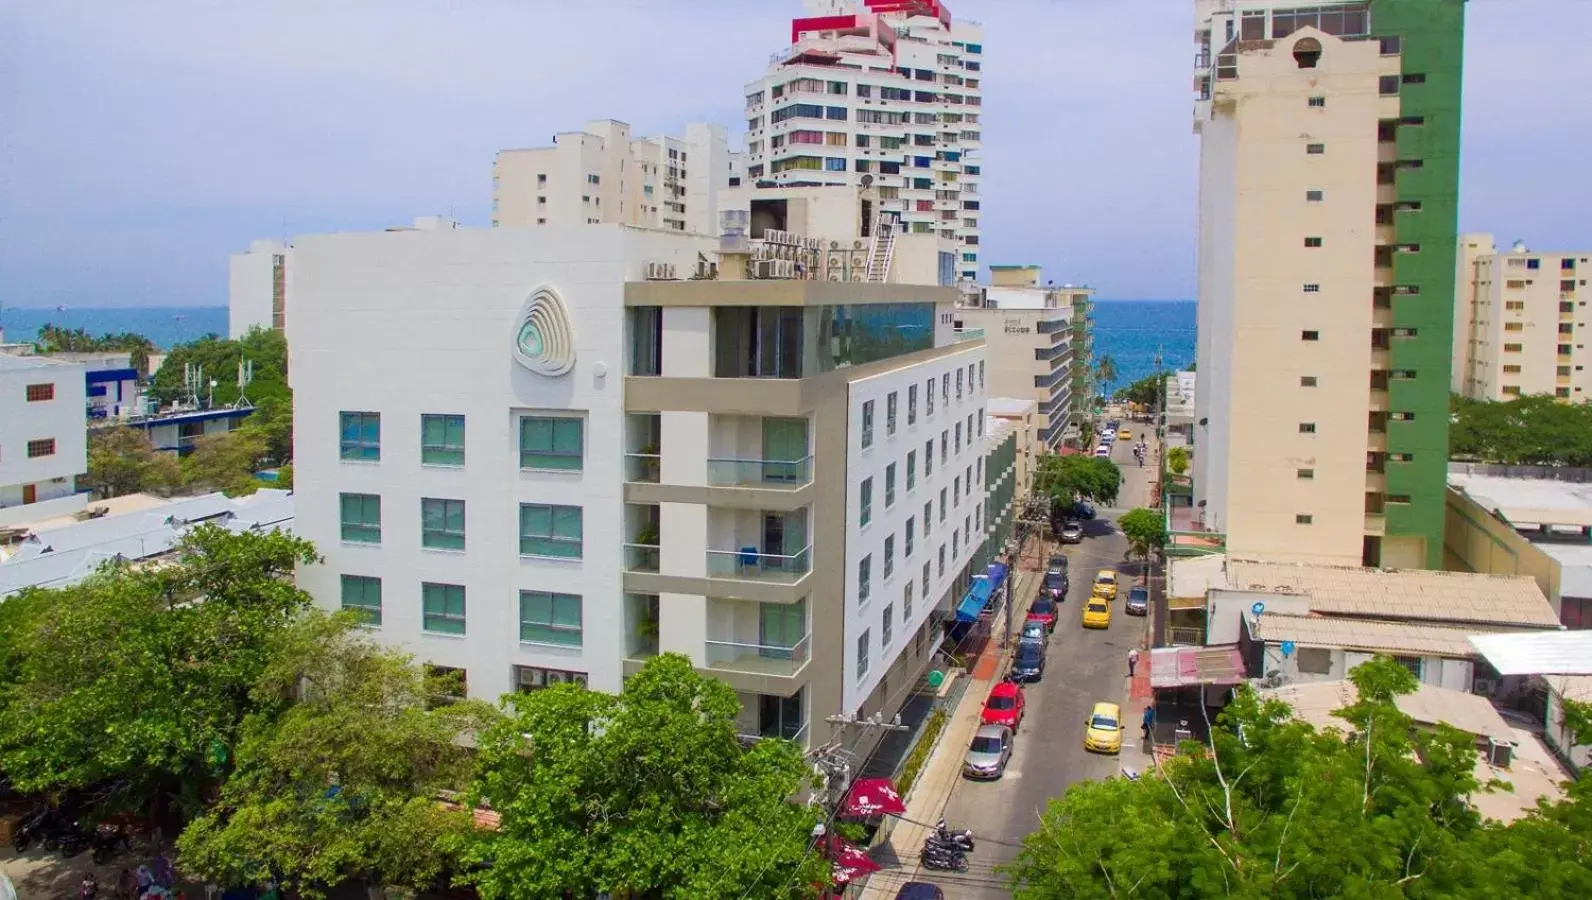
[1149,720]
[1133,660]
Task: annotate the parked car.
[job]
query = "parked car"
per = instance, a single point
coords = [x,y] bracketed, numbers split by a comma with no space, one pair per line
[1058,561]
[920,890]
[1029,662]
[1035,631]
[1138,601]
[1004,706]
[1043,610]
[1097,613]
[1105,584]
[1102,451]
[990,751]
[1103,732]
[1083,509]
[1055,585]
[1072,532]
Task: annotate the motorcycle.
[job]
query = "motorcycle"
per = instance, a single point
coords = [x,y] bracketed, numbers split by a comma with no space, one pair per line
[943,856]
[963,838]
[74,839]
[38,826]
[108,837]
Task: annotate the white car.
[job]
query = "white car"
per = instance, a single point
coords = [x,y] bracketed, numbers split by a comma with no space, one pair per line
[1102,451]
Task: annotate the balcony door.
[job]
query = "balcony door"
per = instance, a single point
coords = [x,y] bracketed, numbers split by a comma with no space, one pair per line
[779,716]
[784,448]
[784,536]
[780,628]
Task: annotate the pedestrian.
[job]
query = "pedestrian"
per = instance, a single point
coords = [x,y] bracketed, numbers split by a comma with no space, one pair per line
[1149,720]
[1133,660]
[89,888]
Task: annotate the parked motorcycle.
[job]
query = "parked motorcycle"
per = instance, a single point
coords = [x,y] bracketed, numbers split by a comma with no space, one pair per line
[963,838]
[942,856]
[37,826]
[74,839]
[108,838]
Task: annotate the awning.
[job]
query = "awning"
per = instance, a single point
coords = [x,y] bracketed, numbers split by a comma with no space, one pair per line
[847,861]
[870,797]
[984,587]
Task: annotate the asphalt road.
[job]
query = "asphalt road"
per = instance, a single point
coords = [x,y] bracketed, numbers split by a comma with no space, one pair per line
[1082,668]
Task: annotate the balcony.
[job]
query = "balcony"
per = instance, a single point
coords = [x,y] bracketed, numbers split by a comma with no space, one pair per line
[751,564]
[760,639]
[758,659]
[641,627]
[760,473]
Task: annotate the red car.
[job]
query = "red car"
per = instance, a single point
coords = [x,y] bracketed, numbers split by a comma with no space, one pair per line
[1043,610]
[1004,706]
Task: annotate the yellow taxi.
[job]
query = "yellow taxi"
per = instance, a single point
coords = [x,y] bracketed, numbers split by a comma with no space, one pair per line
[1105,584]
[1097,613]
[1124,435]
[1103,732]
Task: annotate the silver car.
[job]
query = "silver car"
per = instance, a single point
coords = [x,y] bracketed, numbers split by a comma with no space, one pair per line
[989,753]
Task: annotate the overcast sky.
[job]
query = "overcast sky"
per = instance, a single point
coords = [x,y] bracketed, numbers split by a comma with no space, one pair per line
[142,141]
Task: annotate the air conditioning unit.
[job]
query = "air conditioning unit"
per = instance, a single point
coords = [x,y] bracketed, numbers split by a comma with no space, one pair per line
[1500,753]
[834,245]
[660,271]
[785,268]
[764,268]
[1485,687]
[859,275]
[857,245]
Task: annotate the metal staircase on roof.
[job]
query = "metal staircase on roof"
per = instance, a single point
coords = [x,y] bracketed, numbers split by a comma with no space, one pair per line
[882,250]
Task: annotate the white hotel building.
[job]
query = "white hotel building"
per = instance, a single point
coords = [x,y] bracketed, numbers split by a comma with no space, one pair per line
[43,438]
[532,455]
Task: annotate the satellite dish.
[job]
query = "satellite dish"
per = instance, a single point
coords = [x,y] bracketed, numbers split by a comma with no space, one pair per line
[1287,648]
[936,678]
[867,180]
[1258,608]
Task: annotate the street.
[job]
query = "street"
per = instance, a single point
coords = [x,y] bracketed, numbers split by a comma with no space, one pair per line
[1083,667]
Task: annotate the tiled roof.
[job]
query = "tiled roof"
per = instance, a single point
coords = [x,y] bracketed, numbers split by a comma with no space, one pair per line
[1315,701]
[1362,634]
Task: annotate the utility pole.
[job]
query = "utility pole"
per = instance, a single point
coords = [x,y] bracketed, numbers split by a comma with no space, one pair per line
[1164,500]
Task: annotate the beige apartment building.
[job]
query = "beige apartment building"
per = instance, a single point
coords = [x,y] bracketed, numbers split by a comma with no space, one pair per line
[1329,145]
[1520,323]
[604,175]
[1037,334]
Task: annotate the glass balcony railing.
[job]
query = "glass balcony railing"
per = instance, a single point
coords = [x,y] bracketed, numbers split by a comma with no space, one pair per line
[758,659]
[641,557]
[766,473]
[643,467]
[755,565]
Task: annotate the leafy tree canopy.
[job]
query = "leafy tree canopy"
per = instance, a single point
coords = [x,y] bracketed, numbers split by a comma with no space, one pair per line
[1146,391]
[1068,478]
[55,339]
[1535,430]
[121,461]
[140,675]
[1273,808]
[644,794]
[219,357]
[338,770]
[1145,530]
[225,461]
[1177,460]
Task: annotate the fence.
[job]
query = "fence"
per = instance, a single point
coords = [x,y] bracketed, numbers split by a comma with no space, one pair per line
[1554,473]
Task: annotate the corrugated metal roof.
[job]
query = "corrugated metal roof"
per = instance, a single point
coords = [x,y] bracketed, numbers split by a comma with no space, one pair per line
[1179,666]
[1361,634]
[1315,701]
[1417,594]
[1529,501]
[1537,652]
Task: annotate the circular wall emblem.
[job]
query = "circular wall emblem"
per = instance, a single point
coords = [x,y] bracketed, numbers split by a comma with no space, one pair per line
[543,339]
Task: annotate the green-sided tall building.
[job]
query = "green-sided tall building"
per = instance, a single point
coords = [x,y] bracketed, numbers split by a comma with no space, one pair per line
[1329,183]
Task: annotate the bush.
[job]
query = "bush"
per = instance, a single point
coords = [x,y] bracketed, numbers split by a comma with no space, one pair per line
[920,751]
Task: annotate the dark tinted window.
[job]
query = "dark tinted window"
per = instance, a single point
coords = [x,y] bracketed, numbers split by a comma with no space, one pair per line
[1042,606]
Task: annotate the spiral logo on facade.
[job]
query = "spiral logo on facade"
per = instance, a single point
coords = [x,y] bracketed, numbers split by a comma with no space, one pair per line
[544,341]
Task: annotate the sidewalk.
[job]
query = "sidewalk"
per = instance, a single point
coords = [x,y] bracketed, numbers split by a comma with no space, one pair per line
[926,801]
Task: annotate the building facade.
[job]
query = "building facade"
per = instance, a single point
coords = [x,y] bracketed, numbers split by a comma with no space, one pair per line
[43,440]
[257,288]
[604,175]
[1329,150]
[1032,332]
[884,93]
[778,477]
[1520,323]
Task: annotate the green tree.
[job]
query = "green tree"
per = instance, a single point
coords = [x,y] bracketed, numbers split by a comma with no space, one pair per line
[219,357]
[121,461]
[1536,430]
[141,675]
[55,339]
[644,794]
[1106,372]
[1177,460]
[338,770]
[225,461]
[1066,479]
[1146,391]
[1145,530]
[272,423]
[1271,807]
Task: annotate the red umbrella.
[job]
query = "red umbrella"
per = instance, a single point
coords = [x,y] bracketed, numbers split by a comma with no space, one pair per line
[870,797]
[847,861]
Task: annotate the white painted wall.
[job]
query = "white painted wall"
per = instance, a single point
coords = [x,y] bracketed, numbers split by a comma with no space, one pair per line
[249,286]
[412,322]
[61,418]
[1437,671]
[891,520]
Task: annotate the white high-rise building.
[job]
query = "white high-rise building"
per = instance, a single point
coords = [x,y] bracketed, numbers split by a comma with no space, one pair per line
[43,437]
[603,175]
[880,92]
[547,454]
[1518,315]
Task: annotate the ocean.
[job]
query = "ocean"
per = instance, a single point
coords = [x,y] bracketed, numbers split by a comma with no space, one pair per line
[1131,332]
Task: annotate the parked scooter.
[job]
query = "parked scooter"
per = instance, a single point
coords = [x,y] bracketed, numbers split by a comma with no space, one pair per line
[38,826]
[963,838]
[74,839]
[943,856]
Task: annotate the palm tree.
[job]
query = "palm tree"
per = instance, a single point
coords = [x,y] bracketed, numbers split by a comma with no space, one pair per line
[1105,372]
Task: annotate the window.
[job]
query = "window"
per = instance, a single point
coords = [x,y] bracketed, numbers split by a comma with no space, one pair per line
[981,374]
[1309,335]
[956,491]
[865,504]
[552,442]
[862,654]
[547,530]
[1314,196]
[361,518]
[360,436]
[1315,149]
[1514,326]
[928,397]
[928,458]
[942,561]
[1312,242]
[906,602]
[867,424]
[1307,428]
[889,556]
[442,524]
[942,505]
[1412,663]
[1511,370]
[945,388]
[550,618]
[1390,45]
[1312,288]
[928,518]
[442,440]
[1305,474]
[958,438]
[41,447]
[907,551]
[1387,85]
[958,383]
[1398,498]
[39,393]
[534,678]
[1317,103]
[890,414]
[912,466]
[925,582]
[1512,348]
[442,608]
[864,579]
[945,446]
[1303,519]
[889,485]
[1415,78]
[362,594]
[912,405]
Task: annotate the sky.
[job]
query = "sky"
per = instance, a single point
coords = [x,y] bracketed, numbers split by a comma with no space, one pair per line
[142,141]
